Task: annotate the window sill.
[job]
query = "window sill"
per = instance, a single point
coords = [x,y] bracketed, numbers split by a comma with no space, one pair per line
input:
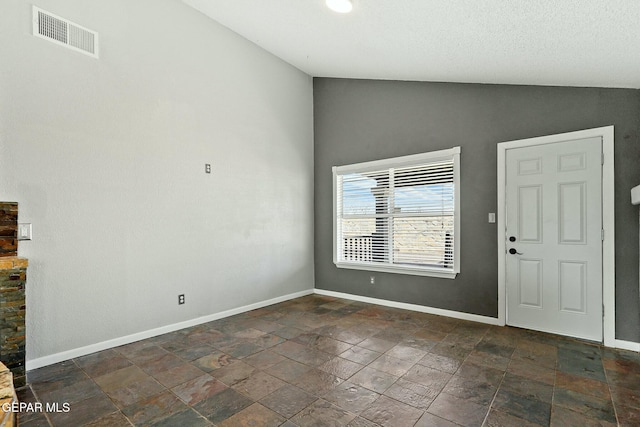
[398,270]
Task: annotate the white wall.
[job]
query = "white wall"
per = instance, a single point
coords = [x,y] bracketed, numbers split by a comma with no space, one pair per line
[106,158]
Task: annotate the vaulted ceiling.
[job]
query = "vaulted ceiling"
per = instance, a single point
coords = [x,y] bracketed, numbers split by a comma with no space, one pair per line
[541,42]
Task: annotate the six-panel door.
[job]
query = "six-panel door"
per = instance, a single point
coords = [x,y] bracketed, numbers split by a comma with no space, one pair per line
[554,243]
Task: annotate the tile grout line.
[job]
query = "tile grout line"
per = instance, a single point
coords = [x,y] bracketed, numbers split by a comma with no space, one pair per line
[104,392]
[46,415]
[613,403]
[495,394]
[553,390]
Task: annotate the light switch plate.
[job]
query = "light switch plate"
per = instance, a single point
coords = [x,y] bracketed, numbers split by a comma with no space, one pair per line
[492,217]
[635,195]
[24,231]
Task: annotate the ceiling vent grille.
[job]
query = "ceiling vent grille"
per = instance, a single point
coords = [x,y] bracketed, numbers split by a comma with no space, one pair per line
[64,32]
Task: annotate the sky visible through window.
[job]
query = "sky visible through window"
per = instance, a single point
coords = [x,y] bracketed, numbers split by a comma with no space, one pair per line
[359,199]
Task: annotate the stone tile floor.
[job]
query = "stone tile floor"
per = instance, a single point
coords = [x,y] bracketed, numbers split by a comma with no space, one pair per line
[321,361]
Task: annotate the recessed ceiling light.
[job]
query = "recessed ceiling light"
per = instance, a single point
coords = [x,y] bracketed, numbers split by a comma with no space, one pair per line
[340,6]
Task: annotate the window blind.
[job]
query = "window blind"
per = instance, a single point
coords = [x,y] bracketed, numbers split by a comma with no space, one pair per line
[402,215]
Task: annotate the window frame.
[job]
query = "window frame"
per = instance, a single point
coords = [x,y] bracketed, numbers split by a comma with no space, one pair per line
[399,162]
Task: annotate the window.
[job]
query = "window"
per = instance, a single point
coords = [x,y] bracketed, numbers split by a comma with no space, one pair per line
[399,215]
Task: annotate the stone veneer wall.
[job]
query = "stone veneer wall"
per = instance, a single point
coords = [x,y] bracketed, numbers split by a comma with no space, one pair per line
[8,229]
[13,278]
[7,397]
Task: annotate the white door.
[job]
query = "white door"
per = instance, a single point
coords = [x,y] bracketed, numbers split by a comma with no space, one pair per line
[554,238]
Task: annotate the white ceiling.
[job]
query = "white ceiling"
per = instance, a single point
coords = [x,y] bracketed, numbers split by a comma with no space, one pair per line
[538,42]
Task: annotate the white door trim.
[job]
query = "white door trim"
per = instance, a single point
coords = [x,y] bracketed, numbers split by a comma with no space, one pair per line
[608,221]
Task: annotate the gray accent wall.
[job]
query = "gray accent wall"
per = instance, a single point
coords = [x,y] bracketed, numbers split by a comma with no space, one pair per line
[362,120]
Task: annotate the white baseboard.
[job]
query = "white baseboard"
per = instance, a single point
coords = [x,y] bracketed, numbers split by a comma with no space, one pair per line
[413,307]
[623,345]
[116,342]
[627,345]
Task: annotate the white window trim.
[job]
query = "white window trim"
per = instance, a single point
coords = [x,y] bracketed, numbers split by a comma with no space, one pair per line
[397,162]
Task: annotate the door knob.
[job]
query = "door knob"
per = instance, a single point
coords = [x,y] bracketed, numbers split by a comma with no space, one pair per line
[512,251]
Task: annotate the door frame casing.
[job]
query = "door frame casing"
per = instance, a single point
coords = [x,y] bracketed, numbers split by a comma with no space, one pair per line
[608,221]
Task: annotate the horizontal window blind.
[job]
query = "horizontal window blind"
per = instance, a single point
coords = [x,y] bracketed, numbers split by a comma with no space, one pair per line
[400,216]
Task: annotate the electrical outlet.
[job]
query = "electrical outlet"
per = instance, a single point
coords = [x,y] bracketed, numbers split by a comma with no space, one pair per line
[207,168]
[372,280]
[180,299]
